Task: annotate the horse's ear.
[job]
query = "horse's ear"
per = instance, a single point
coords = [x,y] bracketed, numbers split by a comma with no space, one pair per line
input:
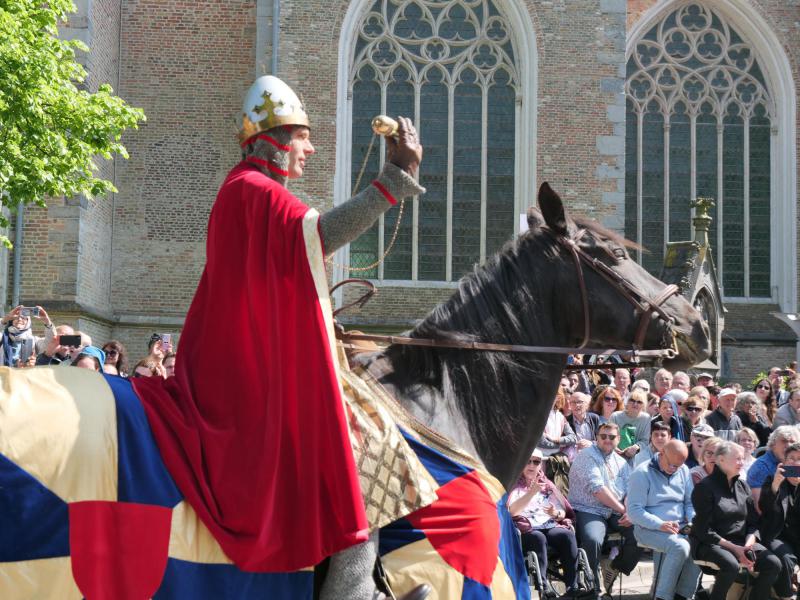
[552,209]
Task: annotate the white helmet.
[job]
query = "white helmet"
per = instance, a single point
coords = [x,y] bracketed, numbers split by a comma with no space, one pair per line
[270,103]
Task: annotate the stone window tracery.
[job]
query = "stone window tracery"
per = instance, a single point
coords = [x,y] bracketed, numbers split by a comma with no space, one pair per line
[699,123]
[451,66]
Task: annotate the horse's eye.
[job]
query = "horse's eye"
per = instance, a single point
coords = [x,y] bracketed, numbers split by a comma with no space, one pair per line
[619,253]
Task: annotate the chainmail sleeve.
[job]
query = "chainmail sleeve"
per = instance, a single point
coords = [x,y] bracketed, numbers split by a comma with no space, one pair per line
[344,223]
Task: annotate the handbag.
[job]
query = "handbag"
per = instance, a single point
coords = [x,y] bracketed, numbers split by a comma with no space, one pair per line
[522,524]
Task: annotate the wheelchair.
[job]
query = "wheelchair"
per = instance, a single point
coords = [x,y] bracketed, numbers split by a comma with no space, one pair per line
[555,575]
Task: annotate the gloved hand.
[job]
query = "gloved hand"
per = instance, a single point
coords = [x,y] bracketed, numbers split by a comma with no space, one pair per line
[404,151]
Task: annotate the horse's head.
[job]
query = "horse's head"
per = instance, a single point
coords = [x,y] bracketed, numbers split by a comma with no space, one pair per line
[626,305]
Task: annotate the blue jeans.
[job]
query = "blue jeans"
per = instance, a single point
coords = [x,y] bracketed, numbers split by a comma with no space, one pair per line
[592,531]
[677,574]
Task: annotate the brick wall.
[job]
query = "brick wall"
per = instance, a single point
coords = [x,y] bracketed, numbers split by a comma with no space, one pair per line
[187,65]
[133,261]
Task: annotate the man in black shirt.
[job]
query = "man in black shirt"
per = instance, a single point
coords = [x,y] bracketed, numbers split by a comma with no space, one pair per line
[723,420]
[725,527]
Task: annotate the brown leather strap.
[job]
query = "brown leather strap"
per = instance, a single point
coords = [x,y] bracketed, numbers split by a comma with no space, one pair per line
[490,347]
[361,300]
[571,244]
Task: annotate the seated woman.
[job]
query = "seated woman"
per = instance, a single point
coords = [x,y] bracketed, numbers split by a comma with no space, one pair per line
[709,458]
[605,402]
[557,436]
[780,522]
[749,411]
[544,517]
[748,440]
[726,524]
[667,406]
[660,434]
[692,411]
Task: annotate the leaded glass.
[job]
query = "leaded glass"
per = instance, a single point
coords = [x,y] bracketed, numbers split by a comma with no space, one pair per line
[698,101]
[449,64]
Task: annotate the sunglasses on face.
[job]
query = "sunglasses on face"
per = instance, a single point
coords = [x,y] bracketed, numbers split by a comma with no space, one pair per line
[635,402]
[607,436]
[693,409]
[762,387]
[609,399]
[111,352]
[708,452]
[535,461]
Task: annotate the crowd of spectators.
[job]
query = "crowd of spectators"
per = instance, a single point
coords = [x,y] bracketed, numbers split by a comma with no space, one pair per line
[62,345]
[703,474]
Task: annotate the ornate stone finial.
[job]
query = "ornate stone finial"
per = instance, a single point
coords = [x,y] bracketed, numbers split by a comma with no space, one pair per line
[702,220]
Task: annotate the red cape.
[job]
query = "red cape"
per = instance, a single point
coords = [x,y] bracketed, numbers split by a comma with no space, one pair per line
[252,427]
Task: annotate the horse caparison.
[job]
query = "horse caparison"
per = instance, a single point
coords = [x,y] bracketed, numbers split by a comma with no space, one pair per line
[495,404]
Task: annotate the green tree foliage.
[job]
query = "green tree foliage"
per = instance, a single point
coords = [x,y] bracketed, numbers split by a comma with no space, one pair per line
[52,129]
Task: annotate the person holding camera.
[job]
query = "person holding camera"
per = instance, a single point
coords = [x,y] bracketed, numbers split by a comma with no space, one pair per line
[780,522]
[725,526]
[19,343]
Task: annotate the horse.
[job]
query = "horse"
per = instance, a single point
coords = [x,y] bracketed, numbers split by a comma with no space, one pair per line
[495,404]
[85,466]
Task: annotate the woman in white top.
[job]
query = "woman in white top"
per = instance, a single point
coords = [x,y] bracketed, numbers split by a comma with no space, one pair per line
[544,518]
[558,436]
[747,439]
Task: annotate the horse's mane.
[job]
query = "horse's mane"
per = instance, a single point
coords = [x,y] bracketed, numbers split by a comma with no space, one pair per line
[500,302]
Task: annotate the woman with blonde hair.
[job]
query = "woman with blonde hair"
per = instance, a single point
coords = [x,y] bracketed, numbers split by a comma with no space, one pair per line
[748,440]
[709,459]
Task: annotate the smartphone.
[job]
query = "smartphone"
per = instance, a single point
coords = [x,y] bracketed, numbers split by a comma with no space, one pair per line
[70,340]
[166,341]
[686,529]
[29,311]
[751,556]
[791,470]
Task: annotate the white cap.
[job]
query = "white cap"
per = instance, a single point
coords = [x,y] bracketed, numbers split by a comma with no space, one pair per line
[269,103]
[726,392]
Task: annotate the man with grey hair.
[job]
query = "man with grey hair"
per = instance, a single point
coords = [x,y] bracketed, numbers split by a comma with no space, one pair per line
[780,439]
[622,381]
[662,382]
[789,413]
[723,420]
[583,422]
[681,381]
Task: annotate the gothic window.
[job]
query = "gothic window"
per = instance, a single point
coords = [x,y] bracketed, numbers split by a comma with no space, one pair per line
[450,65]
[699,123]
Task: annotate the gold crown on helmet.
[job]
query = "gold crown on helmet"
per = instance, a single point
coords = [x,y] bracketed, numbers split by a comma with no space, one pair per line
[270,103]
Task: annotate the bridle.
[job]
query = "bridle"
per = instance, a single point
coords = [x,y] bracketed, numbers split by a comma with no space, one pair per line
[645,306]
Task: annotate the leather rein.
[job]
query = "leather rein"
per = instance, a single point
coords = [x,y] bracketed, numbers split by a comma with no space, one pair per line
[645,306]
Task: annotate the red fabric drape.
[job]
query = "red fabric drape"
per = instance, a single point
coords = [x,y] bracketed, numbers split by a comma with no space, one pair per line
[252,427]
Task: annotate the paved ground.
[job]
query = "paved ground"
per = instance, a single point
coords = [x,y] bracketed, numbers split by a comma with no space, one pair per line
[636,586]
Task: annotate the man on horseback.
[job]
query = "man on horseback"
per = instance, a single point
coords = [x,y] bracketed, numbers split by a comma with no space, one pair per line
[264,456]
